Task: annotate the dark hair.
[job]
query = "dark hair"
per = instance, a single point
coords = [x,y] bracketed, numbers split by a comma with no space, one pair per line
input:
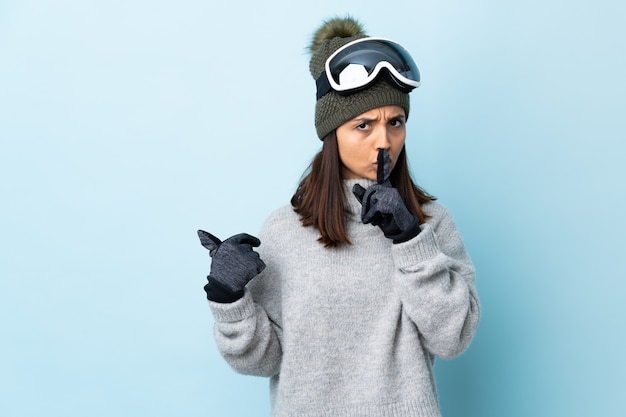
[319,199]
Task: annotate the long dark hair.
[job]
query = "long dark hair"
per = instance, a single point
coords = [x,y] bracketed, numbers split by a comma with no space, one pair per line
[319,199]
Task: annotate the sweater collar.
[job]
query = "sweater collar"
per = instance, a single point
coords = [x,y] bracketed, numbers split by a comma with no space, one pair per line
[353,206]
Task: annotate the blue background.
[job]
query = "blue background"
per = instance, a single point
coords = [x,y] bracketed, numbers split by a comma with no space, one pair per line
[127,125]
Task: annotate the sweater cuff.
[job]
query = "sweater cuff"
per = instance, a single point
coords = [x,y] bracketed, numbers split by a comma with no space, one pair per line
[232,312]
[412,252]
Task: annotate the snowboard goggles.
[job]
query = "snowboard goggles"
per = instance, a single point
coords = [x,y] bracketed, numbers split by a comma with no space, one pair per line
[357,64]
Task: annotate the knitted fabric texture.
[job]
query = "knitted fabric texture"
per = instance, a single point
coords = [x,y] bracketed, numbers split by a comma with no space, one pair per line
[333,109]
[352,331]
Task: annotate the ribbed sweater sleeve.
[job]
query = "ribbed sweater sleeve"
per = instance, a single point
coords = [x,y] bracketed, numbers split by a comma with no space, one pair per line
[437,279]
[248,331]
[246,337]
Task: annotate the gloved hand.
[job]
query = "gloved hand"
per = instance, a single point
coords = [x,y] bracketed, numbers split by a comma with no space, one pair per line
[382,205]
[234,263]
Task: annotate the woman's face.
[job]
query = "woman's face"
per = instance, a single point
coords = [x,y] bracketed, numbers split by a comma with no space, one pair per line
[361,138]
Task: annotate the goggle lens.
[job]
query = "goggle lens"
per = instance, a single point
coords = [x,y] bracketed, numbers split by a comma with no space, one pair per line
[359,63]
[369,54]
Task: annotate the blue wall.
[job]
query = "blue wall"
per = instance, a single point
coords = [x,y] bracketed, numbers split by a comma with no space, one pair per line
[127,125]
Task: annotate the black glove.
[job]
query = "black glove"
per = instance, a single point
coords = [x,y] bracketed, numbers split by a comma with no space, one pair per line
[382,205]
[234,263]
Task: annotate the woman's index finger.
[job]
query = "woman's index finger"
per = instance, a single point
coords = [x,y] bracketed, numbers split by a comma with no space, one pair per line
[384,161]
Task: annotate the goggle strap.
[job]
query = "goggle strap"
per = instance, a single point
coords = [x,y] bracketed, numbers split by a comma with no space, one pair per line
[323,86]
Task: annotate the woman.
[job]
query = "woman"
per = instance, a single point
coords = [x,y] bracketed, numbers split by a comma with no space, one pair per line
[363,280]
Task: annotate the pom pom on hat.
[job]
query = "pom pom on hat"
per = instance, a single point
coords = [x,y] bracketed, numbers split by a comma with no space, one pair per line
[329,37]
[338,27]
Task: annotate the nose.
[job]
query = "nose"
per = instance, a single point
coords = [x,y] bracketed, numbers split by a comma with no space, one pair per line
[382,139]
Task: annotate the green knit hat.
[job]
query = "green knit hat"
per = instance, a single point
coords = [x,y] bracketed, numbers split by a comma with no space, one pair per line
[333,110]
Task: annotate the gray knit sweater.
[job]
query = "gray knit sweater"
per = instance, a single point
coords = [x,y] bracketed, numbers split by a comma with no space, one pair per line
[352,331]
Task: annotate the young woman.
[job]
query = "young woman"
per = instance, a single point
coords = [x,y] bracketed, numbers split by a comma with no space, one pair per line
[363,280]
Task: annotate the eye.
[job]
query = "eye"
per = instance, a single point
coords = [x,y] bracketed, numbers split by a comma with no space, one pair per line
[363,126]
[396,122]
